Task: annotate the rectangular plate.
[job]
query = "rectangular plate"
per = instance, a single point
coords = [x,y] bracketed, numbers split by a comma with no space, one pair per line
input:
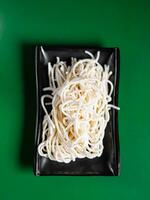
[109,163]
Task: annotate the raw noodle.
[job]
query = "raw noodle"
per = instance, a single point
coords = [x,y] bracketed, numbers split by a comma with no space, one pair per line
[80,97]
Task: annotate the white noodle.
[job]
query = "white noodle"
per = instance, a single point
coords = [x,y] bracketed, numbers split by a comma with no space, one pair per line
[80,97]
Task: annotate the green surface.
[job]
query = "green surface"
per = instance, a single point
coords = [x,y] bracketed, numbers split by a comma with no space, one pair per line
[124,24]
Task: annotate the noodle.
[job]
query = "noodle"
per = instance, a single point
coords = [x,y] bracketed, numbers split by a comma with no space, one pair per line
[80,98]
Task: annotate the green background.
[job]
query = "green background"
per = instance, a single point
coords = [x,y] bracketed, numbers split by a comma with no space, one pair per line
[110,23]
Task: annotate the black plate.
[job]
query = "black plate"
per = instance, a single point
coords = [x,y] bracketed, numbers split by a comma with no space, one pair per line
[108,164]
